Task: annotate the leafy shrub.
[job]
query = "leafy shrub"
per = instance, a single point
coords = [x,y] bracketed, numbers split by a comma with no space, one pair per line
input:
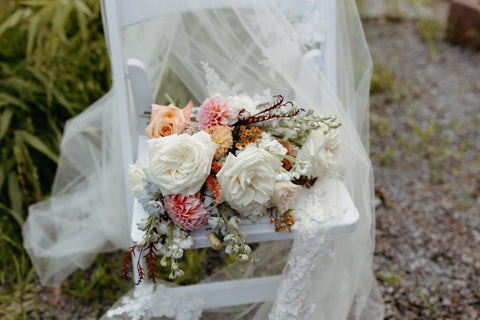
[53,64]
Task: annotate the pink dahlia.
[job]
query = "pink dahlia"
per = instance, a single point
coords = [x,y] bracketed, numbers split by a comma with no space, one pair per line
[216,111]
[187,212]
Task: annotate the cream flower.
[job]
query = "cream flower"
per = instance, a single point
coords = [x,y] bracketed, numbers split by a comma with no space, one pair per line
[321,151]
[333,141]
[247,181]
[284,195]
[179,164]
[243,102]
[135,176]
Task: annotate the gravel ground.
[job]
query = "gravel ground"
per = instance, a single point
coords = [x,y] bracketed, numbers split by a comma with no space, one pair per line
[425,125]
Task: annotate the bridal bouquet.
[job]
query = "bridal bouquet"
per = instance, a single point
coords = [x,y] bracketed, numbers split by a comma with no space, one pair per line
[231,159]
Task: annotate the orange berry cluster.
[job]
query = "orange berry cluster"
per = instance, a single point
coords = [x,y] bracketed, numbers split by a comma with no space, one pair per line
[247,136]
[284,222]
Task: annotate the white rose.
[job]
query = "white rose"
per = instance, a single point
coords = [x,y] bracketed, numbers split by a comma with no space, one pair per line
[179,164]
[247,181]
[284,195]
[333,141]
[135,176]
[321,150]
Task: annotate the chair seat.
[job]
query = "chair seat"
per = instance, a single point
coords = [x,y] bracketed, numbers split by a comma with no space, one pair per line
[334,192]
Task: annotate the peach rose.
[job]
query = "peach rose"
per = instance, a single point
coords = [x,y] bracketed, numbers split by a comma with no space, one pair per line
[167,120]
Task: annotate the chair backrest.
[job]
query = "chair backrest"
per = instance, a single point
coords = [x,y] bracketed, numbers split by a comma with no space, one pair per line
[129,74]
[117,15]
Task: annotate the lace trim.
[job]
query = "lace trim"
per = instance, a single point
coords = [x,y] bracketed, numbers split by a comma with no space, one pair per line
[314,240]
[216,85]
[150,300]
[309,26]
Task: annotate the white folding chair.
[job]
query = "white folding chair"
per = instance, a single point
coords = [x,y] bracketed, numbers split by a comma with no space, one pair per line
[129,75]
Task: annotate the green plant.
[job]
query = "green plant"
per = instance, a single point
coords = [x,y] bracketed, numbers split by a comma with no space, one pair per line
[423,134]
[431,31]
[431,302]
[394,279]
[53,64]
[384,79]
[102,282]
[20,298]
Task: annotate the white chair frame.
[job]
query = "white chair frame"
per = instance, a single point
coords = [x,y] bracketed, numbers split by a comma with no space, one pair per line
[130,74]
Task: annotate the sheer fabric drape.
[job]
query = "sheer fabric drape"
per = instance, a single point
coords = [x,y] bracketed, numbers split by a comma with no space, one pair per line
[255,49]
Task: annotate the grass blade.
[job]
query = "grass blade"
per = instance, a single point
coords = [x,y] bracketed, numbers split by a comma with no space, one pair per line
[8,99]
[37,3]
[37,144]
[32,33]
[12,21]
[15,215]
[2,176]
[55,92]
[5,120]
[8,239]
[16,197]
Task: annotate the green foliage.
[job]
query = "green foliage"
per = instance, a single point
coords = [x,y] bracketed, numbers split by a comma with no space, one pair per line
[383,79]
[19,299]
[394,279]
[102,282]
[423,134]
[53,64]
[431,302]
[385,82]
[431,31]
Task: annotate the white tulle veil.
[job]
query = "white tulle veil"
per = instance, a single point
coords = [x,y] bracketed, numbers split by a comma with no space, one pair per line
[257,49]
